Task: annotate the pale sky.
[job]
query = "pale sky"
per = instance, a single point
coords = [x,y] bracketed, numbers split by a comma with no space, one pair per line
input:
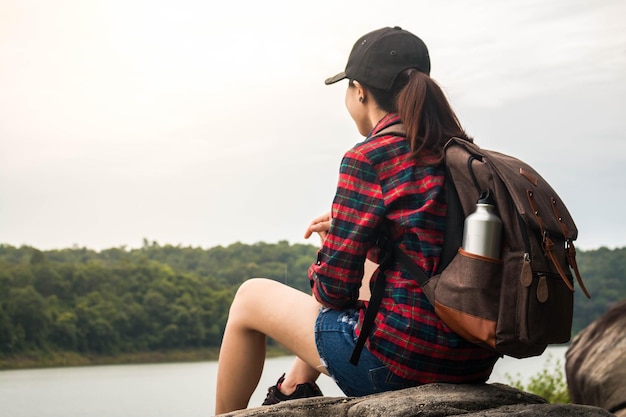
[198,123]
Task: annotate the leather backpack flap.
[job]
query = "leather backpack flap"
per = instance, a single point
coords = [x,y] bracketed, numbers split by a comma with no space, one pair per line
[535,200]
[544,212]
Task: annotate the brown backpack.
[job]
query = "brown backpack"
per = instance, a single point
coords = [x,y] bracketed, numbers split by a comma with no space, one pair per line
[515,305]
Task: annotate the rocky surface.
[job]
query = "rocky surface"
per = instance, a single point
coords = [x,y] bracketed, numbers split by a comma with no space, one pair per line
[432,400]
[595,363]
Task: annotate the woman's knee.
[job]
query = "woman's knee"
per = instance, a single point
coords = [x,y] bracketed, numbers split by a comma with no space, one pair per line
[247,296]
[251,289]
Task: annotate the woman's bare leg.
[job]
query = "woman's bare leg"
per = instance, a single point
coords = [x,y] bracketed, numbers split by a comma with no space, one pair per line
[263,307]
[299,373]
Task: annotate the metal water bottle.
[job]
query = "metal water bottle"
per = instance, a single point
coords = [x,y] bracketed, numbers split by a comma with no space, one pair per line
[483,228]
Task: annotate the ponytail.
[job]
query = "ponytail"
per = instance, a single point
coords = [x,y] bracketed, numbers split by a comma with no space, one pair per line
[427,116]
[425,112]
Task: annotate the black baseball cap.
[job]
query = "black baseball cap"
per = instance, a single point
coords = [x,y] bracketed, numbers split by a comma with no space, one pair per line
[379,56]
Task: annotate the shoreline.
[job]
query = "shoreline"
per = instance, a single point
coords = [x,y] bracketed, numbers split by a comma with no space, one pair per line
[38,360]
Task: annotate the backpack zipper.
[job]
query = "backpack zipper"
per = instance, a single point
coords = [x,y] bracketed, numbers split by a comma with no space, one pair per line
[525,238]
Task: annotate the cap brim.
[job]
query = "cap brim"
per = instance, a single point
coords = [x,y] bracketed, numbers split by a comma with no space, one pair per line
[336,78]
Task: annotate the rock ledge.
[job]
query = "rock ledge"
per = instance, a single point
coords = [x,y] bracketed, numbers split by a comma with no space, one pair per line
[431,400]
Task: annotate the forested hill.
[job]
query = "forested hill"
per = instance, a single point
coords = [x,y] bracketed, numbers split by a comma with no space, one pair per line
[157,297]
[117,300]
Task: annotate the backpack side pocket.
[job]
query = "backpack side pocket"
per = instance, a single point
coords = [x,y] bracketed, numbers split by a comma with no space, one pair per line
[466,296]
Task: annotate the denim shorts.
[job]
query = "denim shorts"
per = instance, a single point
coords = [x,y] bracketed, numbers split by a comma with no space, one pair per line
[335,339]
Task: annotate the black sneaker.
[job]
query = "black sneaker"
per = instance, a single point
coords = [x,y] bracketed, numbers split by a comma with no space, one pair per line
[306,390]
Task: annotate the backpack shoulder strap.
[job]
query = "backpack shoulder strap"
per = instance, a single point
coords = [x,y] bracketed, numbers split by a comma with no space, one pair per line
[384,244]
[453,235]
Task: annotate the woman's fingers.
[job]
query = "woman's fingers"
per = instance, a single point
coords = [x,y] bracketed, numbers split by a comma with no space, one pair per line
[319,225]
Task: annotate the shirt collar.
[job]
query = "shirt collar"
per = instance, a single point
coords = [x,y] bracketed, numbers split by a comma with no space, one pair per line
[389,119]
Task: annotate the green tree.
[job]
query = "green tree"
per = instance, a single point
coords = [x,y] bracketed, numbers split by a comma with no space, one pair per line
[95,318]
[28,313]
[64,333]
[550,383]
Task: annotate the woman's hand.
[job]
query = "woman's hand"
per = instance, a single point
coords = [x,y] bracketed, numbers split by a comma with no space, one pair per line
[320,225]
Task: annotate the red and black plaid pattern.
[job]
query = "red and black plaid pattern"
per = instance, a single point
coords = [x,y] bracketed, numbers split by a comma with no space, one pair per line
[380,182]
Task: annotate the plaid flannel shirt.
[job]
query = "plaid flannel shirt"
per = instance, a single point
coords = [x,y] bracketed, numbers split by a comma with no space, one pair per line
[379,181]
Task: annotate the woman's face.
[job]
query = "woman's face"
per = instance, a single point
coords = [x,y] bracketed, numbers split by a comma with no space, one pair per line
[356,108]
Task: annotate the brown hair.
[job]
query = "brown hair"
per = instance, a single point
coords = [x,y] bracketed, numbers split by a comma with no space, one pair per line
[424,109]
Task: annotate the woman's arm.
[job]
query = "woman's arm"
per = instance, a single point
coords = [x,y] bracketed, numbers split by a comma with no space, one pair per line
[357,209]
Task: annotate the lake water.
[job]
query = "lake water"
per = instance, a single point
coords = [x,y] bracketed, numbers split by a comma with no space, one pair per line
[181,389]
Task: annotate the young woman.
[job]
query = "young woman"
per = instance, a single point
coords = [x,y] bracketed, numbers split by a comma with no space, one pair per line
[391,181]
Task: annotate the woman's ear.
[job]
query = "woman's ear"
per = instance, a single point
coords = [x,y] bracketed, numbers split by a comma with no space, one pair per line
[361,92]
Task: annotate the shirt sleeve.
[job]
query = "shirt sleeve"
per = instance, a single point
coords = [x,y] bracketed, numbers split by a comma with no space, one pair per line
[357,210]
